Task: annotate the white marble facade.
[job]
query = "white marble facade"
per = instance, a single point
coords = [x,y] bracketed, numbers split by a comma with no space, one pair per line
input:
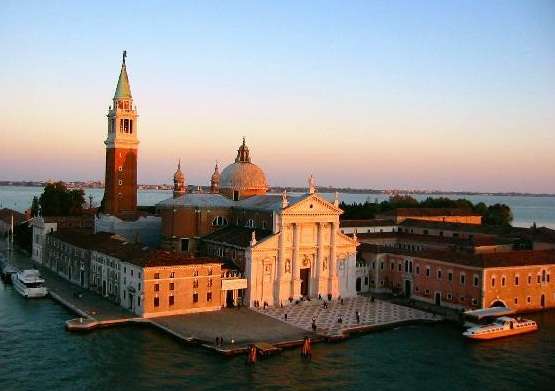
[307,256]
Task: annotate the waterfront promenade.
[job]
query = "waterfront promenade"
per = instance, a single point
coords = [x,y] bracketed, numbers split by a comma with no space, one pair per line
[237,327]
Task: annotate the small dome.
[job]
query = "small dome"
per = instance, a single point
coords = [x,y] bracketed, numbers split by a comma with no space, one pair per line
[178,176]
[216,175]
[243,176]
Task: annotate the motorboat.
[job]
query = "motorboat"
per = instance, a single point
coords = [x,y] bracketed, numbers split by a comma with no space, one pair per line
[485,316]
[503,326]
[29,283]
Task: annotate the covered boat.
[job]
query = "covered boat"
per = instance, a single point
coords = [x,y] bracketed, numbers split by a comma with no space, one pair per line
[503,326]
[29,283]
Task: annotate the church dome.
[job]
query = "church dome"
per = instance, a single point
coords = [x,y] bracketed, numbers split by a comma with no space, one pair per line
[243,176]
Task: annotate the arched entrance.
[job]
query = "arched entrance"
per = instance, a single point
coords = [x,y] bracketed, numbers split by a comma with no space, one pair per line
[408,290]
[359,284]
[438,298]
[305,280]
[498,303]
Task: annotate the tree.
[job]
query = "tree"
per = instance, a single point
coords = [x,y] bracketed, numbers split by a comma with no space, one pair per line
[57,200]
[35,206]
[498,214]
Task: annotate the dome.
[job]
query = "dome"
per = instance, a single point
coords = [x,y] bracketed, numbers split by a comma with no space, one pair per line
[178,176]
[243,176]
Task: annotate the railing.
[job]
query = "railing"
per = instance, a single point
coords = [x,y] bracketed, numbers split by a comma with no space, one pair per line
[232,274]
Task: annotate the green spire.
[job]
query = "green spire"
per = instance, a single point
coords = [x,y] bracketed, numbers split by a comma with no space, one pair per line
[123,90]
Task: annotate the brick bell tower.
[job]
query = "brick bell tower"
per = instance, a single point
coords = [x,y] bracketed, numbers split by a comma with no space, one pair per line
[120,189]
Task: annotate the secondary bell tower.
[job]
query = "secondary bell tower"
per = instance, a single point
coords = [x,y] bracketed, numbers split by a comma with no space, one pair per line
[120,188]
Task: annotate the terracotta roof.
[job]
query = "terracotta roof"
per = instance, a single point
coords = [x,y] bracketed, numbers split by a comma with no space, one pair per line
[118,247]
[486,260]
[476,241]
[365,223]
[6,216]
[236,236]
[429,212]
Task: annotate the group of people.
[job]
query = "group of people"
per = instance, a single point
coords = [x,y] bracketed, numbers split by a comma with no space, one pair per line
[219,341]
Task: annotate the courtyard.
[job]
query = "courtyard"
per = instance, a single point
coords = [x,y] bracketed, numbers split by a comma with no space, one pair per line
[340,317]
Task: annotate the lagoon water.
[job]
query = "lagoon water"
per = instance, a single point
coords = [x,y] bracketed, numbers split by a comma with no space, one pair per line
[526,210]
[36,353]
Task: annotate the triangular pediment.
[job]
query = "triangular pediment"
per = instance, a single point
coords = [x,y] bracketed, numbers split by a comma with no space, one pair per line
[312,204]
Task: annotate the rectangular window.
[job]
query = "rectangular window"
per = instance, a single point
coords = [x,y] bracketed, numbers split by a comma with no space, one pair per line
[171,286]
[171,300]
[392,266]
[428,272]
[381,265]
[399,266]
[463,279]
[157,275]
[208,296]
[439,274]
[195,297]
[184,245]
[450,276]
[417,269]
[156,287]
[156,301]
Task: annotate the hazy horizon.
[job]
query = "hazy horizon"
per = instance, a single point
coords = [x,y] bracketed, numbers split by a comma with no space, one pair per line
[447,96]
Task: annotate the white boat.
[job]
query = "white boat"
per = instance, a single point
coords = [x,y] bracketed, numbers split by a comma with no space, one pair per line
[503,326]
[29,283]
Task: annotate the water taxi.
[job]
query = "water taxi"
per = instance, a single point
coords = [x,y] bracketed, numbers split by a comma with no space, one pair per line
[503,326]
[29,283]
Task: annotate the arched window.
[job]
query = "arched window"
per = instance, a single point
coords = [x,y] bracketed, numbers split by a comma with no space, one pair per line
[251,223]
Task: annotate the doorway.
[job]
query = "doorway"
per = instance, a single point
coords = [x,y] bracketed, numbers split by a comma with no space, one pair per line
[542,301]
[103,288]
[229,299]
[305,277]
[438,298]
[359,284]
[408,291]
[131,301]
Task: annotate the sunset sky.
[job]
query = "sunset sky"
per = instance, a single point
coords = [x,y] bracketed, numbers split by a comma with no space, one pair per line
[452,95]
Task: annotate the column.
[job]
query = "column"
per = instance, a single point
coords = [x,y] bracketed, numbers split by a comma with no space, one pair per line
[280,295]
[319,259]
[333,287]
[295,269]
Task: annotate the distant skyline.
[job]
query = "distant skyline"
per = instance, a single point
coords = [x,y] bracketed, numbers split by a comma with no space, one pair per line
[455,95]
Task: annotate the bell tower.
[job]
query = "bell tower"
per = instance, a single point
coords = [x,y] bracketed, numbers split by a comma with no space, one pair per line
[120,188]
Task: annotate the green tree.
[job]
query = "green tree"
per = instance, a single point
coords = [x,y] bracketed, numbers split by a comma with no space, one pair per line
[35,207]
[57,200]
[498,214]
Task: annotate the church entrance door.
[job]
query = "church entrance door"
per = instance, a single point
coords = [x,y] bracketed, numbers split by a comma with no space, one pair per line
[305,280]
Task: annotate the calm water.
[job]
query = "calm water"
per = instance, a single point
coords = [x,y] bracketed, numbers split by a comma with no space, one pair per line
[37,353]
[526,210]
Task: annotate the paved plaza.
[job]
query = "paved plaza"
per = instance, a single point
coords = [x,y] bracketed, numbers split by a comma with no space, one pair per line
[242,326]
[372,314]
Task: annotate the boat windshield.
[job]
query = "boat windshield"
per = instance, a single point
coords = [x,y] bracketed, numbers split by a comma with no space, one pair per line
[34,285]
